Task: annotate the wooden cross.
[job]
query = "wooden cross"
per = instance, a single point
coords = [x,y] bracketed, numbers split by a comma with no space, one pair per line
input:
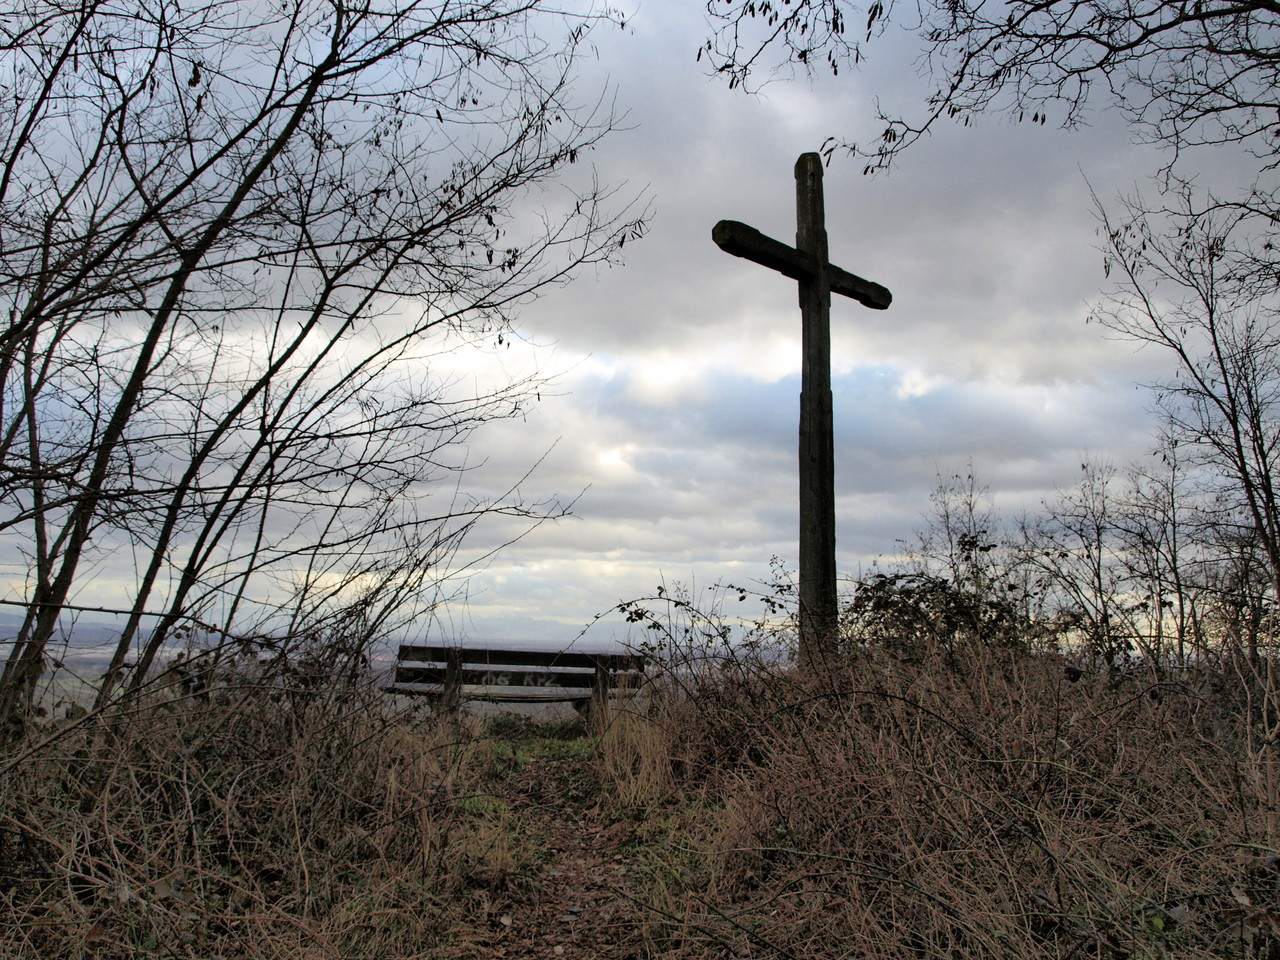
[807,262]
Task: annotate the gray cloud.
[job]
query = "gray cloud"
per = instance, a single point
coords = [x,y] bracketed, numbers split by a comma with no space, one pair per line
[679,419]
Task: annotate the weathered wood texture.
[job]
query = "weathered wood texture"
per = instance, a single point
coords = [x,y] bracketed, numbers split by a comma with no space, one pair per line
[749,243]
[808,263]
[454,674]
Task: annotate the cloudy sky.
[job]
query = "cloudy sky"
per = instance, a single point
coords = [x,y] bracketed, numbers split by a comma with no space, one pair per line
[676,412]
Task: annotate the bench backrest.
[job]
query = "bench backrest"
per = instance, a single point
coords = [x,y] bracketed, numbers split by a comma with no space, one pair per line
[513,675]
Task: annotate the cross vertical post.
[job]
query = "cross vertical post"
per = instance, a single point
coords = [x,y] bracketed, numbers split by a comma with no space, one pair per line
[808,264]
[819,611]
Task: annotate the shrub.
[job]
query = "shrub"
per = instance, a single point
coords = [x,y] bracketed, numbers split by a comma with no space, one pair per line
[972,802]
[245,824]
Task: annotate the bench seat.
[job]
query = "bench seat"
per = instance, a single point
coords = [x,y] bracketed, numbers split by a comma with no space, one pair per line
[513,676]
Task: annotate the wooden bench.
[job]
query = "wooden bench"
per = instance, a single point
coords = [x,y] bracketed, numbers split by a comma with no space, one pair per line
[455,674]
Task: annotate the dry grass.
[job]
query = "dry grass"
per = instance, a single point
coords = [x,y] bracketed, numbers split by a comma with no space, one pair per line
[976,806]
[256,824]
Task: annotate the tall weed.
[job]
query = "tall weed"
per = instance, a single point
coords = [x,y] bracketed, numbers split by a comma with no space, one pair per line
[252,823]
[974,803]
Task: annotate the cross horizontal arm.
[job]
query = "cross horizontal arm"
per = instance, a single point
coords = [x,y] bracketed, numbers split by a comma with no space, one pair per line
[744,241]
[855,288]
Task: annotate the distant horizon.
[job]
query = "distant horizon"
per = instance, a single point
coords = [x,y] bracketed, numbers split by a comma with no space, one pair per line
[89,644]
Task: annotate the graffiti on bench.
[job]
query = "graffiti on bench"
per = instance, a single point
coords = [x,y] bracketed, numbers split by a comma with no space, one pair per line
[495,679]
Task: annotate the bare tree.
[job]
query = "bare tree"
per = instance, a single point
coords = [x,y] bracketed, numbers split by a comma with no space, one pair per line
[1075,544]
[238,245]
[1185,75]
[1165,535]
[1190,287]
[961,537]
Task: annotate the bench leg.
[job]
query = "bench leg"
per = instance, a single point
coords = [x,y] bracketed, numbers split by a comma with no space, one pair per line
[451,698]
[594,707]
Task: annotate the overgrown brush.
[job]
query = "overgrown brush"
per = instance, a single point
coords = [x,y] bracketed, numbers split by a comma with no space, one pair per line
[975,804]
[256,823]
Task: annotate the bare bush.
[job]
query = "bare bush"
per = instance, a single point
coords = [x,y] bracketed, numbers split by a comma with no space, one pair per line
[976,803]
[243,245]
[236,827]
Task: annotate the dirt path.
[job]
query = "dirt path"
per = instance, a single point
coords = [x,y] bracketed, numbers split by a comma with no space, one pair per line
[577,908]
